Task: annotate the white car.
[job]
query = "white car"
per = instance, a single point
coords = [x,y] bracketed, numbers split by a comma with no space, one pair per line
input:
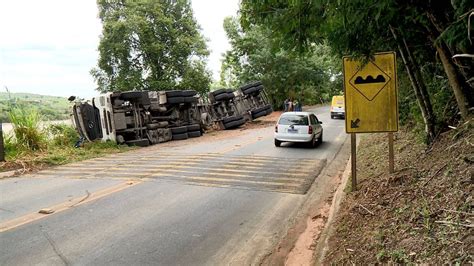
[298,127]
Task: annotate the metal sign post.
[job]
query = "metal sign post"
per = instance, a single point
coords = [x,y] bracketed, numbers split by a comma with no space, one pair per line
[353,162]
[371,101]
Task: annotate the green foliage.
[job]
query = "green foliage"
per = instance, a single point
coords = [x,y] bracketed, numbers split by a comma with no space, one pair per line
[62,134]
[362,27]
[311,77]
[26,128]
[150,45]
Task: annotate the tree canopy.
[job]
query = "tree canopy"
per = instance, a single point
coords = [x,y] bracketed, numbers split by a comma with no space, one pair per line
[426,35]
[150,45]
[312,77]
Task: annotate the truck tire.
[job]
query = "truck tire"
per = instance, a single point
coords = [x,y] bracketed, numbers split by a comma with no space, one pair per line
[251,84]
[229,119]
[174,93]
[221,97]
[188,93]
[193,127]
[259,114]
[180,136]
[235,123]
[179,130]
[218,92]
[194,134]
[129,95]
[175,100]
[190,99]
[138,142]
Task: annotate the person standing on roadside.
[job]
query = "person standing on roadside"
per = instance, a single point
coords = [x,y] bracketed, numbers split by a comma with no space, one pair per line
[290,105]
[285,103]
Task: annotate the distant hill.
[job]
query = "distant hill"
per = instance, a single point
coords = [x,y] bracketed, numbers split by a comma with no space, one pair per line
[51,107]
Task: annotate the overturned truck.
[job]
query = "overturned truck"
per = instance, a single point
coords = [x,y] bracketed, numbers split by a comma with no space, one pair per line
[142,118]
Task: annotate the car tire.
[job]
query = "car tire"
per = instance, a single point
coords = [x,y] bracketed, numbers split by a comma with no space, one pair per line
[138,142]
[312,142]
[277,143]
[320,139]
[194,134]
[179,130]
[181,136]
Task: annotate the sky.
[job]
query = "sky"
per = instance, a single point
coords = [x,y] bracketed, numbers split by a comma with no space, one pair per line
[48,47]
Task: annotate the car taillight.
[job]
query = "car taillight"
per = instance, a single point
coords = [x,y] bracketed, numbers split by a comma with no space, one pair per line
[310,130]
[276,128]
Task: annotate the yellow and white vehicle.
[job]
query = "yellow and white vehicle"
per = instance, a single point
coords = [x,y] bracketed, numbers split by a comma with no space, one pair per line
[337,107]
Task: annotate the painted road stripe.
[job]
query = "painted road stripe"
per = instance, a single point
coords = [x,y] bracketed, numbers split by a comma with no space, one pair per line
[8,225]
[228,180]
[158,167]
[167,172]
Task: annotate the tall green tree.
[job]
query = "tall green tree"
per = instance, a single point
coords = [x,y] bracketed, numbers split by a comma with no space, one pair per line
[312,77]
[150,45]
[420,30]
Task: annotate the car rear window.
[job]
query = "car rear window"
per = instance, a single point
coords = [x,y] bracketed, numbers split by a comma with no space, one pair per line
[298,120]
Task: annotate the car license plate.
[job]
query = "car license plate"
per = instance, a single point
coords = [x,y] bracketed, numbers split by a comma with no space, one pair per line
[292,130]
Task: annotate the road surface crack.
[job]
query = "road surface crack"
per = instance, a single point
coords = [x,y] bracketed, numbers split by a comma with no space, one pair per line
[55,248]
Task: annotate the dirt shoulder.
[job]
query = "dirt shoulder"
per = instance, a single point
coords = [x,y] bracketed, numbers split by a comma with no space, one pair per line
[423,213]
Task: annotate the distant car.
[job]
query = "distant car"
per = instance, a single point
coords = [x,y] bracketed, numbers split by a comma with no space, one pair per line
[298,127]
[337,107]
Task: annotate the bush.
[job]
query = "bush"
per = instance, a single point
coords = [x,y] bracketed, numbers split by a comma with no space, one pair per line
[26,128]
[62,135]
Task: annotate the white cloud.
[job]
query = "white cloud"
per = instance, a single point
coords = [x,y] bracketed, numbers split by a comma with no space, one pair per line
[49,46]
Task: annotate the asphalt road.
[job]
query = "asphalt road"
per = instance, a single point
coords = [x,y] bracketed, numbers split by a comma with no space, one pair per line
[215,201]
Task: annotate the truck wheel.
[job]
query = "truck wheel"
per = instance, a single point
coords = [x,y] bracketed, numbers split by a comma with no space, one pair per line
[175,100]
[194,134]
[218,92]
[179,130]
[249,85]
[175,93]
[138,142]
[129,95]
[259,114]
[190,99]
[221,97]
[180,136]
[188,93]
[193,127]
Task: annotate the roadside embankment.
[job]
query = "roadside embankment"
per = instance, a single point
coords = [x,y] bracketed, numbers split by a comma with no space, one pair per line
[422,213]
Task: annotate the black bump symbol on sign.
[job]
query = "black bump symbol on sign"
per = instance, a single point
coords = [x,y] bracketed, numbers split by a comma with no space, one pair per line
[369,79]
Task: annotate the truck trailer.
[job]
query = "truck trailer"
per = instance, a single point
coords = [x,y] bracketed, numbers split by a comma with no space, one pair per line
[142,118]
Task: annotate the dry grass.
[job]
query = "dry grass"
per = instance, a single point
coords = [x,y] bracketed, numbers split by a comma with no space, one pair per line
[423,213]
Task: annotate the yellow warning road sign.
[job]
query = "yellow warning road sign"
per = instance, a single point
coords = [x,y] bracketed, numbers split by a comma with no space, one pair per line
[370,93]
